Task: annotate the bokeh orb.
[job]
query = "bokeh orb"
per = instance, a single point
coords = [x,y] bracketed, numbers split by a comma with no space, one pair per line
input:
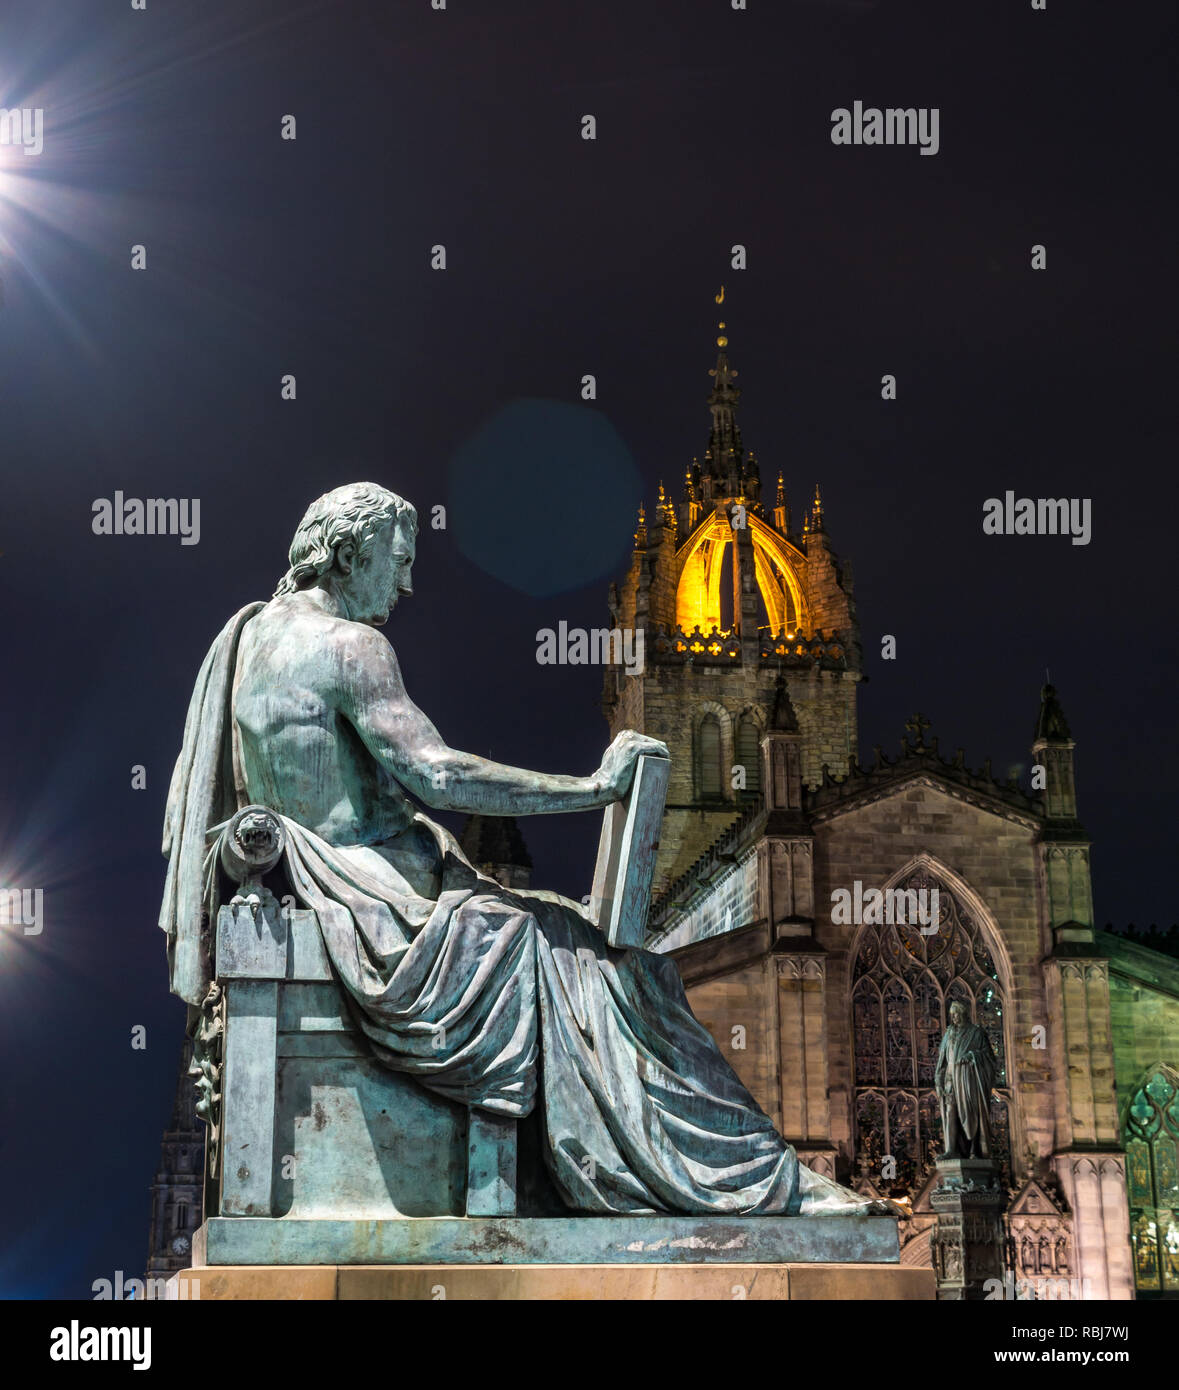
[543,497]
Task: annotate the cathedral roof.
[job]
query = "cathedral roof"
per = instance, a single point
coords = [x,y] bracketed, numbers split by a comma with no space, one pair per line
[920,760]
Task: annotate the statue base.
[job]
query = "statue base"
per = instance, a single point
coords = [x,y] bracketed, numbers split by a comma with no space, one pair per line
[571,1257]
[561,1240]
[968,1240]
[652,1282]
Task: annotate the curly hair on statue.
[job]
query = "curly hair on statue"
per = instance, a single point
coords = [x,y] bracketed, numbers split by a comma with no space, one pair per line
[351,514]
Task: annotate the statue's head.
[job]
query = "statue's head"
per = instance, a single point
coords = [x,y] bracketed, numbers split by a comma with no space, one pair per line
[957,1014]
[359,541]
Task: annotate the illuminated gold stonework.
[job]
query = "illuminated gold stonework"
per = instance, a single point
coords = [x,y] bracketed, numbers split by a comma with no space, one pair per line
[700,561]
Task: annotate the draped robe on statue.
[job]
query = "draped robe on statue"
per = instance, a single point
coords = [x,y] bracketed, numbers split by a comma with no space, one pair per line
[965,1074]
[486,994]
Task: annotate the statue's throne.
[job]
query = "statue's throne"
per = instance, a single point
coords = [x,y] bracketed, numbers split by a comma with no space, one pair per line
[304,1121]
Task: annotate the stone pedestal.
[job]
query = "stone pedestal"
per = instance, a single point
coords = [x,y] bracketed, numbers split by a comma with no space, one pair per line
[560,1240]
[570,1257]
[655,1282]
[968,1240]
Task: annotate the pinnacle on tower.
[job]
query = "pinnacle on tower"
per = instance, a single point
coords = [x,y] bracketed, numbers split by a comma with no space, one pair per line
[690,507]
[817,511]
[725,454]
[753,478]
[782,509]
[641,530]
[1051,724]
[665,511]
[1052,750]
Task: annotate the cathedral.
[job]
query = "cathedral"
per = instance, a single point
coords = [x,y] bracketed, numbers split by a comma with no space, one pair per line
[752,673]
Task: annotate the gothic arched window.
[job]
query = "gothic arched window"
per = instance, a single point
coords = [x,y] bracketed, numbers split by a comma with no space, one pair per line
[903,983]
[748,751]
[709,757]
[1152,1179]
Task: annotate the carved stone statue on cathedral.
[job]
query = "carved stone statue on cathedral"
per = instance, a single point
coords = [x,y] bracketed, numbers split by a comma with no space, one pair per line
[965,1075]
[500,999]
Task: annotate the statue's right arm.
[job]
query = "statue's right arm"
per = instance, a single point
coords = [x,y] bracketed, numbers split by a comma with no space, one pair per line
[402,739]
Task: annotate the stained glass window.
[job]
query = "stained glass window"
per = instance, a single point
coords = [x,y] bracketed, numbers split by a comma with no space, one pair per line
[904,980]
[1152,1180]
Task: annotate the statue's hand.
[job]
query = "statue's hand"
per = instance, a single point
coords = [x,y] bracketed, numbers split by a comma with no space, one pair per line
[618,763]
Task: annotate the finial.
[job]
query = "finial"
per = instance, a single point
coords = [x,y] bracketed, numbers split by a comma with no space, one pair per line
[641,532]
[1051,724]
[917,725]
[666,509]
[781,499]
[690,493]
[818,508]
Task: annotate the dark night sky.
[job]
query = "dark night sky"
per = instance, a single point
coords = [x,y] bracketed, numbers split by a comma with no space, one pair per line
[565,257]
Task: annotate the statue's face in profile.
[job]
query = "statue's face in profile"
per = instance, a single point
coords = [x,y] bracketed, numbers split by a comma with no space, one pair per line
[383,576]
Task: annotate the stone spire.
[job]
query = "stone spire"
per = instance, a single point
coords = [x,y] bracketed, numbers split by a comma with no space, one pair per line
[1064,846]
[724,459]
[690,507]
[1052,749]
[665,510]
[1051,726]
[781,509]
